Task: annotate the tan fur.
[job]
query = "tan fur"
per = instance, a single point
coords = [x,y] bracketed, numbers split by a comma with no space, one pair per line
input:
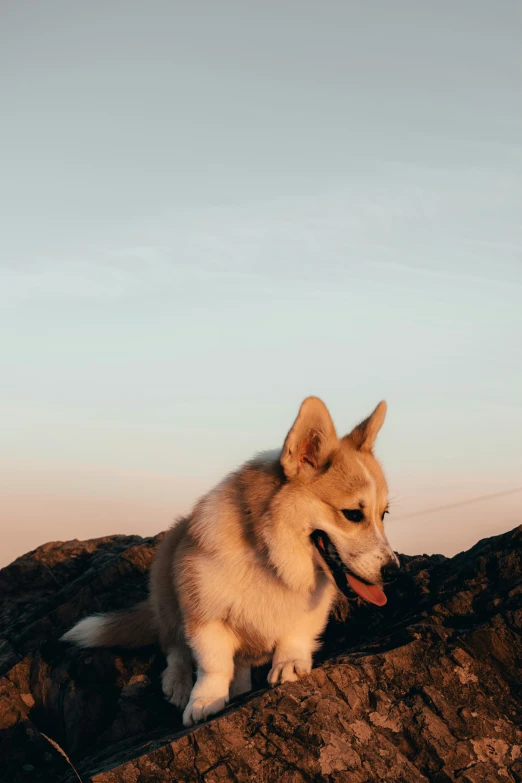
[239,582]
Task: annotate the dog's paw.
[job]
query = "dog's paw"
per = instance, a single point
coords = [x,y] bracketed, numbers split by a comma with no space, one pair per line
[288,671]
[177,686]
[202,707]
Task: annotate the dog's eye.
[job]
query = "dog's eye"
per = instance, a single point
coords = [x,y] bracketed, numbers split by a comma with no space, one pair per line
[383,513]
[353,514]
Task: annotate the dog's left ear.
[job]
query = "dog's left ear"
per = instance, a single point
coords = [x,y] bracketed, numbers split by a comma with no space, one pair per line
[310,442]
[365,434]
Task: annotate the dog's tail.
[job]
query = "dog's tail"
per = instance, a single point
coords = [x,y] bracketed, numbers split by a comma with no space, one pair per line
[134,627]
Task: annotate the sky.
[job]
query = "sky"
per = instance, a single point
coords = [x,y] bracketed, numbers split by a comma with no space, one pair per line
[211,210]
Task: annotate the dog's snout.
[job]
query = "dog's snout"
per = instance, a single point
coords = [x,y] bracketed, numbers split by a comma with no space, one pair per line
[390,571]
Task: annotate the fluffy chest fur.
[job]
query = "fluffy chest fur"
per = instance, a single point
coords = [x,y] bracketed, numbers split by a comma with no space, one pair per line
[225,573]
[259,608]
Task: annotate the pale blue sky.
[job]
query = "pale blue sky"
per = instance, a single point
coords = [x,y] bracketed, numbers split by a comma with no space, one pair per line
[211,210]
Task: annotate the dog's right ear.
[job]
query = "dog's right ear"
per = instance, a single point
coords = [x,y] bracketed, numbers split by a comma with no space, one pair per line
[310,442]
[364,435]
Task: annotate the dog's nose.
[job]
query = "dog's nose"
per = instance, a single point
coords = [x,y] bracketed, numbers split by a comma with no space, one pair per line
[390,571]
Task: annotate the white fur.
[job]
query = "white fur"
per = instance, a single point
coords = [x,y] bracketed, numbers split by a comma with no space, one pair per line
[293,654]
[86,633]
[213,645]
[176,680]
[288,621]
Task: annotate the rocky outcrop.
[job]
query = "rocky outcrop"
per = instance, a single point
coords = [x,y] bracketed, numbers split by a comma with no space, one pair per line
[428,688]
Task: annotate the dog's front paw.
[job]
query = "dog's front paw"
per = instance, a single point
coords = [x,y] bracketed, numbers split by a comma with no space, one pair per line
[177,686]
[201,707]
[288,671]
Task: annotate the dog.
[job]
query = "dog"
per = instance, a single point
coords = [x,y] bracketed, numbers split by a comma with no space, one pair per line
[251,574]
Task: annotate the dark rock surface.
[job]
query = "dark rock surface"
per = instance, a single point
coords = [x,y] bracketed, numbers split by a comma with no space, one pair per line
[428,688]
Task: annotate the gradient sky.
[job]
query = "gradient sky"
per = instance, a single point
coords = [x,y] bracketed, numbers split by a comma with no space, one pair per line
[211,210]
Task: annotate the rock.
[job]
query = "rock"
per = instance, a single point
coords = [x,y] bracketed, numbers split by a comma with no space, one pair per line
[427,688]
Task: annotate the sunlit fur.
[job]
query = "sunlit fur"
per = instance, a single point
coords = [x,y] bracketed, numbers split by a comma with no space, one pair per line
[238,582]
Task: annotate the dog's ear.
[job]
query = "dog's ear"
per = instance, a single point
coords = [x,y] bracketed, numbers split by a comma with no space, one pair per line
[364,435]
[310,442]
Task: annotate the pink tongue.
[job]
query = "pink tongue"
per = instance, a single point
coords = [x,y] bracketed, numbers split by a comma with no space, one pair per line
[370,593]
